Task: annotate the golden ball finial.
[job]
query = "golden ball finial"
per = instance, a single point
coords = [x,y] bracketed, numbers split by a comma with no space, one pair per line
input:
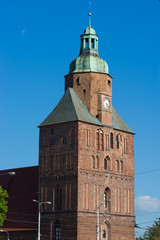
[89,14]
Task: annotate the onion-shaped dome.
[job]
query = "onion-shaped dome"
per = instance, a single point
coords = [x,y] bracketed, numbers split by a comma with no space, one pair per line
[88,59]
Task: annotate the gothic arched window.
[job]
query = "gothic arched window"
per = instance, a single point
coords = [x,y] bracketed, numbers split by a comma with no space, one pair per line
[107,163]
[106,230]
[107,199]
[104,233]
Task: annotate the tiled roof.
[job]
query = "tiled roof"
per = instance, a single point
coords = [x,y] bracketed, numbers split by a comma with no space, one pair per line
[70,109]
[118,123]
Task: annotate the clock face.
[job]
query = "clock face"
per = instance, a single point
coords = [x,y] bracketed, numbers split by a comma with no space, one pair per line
[106,103]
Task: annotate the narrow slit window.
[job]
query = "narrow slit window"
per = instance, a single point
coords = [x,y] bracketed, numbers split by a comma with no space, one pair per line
[117,141]
[111,140]
[107,142]
[101,141]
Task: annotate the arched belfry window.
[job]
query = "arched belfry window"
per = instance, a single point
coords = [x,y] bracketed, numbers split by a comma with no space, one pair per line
[92,43]
[86,43]
[107,199]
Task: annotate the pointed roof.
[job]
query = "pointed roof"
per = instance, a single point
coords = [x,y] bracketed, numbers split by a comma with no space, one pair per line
[69,109]
[118,123]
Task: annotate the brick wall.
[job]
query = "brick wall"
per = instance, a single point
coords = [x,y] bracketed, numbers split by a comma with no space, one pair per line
[84,181]
[93,179]
[89,86]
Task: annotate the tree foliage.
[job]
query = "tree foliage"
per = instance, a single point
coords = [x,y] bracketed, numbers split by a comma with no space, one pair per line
[3,205]
[153,232]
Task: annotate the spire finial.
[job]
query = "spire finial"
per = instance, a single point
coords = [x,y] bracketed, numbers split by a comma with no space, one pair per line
[89,13]
[89,19]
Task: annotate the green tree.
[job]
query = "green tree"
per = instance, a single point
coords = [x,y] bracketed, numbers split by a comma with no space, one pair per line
[3,205]
[153,232]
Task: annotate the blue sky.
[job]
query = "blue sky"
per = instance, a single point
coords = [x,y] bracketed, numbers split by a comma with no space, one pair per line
[39,39]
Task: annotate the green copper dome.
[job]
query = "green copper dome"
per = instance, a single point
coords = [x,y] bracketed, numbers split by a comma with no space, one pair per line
[89,30]
[88,59]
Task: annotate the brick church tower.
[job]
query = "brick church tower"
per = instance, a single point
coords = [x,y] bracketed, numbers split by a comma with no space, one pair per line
[86,157]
